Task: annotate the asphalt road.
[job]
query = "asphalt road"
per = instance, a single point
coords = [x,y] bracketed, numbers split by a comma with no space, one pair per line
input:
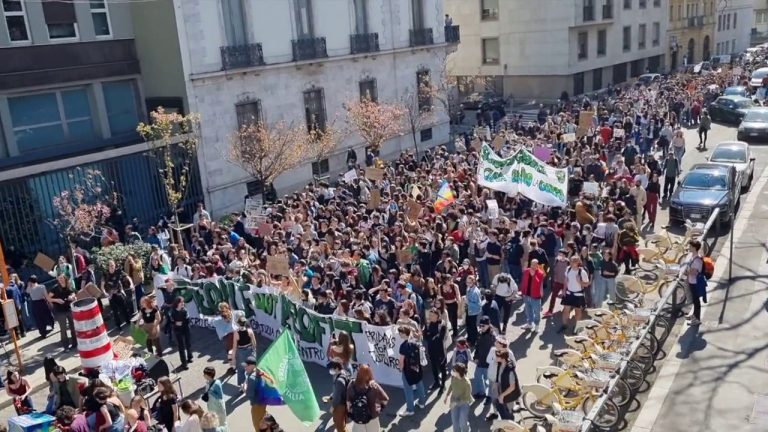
[532,351]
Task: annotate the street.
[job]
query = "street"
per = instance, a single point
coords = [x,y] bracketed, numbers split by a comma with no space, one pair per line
[531,350]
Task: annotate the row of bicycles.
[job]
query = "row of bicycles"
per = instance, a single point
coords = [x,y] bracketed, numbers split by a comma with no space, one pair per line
[614,350]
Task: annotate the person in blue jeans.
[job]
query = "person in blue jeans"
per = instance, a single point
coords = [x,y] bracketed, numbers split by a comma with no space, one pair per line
[485,342]
[459,392]
[412,372]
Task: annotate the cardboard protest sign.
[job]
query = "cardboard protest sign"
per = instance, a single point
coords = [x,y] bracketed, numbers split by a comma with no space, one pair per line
[493,209]
[498,142]
[415,191]
[375,200]
[374,174]
[253,205]
[278,265]
[569,137]
[618,133]
[404,256]
[585,123]
[591,188]
[350,175]
[412,210]
[44,262]
[476,144]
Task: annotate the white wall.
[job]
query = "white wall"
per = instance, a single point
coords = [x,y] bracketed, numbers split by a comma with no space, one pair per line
[740,33]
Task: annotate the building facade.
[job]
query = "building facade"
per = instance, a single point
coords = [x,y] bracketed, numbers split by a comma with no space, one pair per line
[300,61]
[691,31]
[538,50]
[734,26]
[760,20]
[71,95]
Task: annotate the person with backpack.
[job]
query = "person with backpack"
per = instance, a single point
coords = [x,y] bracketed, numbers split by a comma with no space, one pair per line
[505,288]
[338,398]
[577,281]
[412,371]
[695,278]
[461,353]
[491,309]
[365,401]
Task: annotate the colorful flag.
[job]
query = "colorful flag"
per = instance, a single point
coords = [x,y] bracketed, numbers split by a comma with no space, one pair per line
[445,197]
[282,361]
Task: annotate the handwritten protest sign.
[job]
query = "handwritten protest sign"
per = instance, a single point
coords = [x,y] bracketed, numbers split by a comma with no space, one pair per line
[374,174]
[569,137]
[350,175]
[375,200]
[493,209]
[412,210]
[44,262]
[591,188]
[585,123]
[278,265]
[618,133]
[253,205]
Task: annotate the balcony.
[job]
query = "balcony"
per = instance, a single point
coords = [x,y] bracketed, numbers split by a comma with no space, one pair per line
[364,43]
[240,56]
[421,37]
[696,21]
[452,34]
[309,49]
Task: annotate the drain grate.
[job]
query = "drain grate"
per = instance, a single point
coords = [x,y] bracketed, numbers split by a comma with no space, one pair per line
[760,411]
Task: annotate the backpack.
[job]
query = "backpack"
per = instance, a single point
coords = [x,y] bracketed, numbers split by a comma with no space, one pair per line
[419,301]
[707,267]
[360,412]
[413,359]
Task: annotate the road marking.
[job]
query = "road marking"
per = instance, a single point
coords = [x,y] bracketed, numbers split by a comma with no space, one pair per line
[663,384]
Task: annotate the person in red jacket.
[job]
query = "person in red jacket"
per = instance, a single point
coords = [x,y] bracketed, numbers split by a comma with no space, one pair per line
[531,288]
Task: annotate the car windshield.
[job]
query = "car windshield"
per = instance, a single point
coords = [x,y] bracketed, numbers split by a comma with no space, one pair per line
[729,154]
[744,104]
[734,91]
[705,180]
[756,116]
[759,74]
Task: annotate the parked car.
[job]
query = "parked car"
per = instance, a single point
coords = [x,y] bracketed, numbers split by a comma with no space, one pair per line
[484,100]
[736,91]
[754,126]
[648,79]
[730,109]
[720,60]
[756,79]
[706,186]
[738,155]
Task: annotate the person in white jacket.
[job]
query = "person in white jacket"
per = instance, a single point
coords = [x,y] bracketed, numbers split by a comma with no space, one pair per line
[505,292]
[501,344]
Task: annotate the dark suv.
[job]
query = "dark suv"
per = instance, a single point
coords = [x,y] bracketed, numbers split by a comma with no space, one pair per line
[705,187]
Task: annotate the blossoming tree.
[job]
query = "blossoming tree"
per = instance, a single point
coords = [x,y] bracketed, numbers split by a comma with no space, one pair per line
[82,211]
[376,122]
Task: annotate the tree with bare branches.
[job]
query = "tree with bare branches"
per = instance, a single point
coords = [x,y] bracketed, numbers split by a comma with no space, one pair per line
[266,151]
[81,212]
[376,122]
[418,105]
[173,139]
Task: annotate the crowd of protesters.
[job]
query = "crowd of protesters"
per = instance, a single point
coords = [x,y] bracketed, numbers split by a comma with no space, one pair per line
[377,251]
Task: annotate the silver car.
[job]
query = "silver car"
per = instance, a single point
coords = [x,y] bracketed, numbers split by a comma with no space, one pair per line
[738,155]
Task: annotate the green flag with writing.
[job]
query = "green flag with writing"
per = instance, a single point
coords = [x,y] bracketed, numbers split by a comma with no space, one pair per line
[282,362]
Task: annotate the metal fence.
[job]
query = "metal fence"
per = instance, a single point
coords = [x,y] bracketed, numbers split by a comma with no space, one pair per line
[26,209]
[670,305]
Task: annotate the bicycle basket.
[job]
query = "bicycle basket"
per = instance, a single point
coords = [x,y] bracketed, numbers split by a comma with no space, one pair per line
[597,378]
[641,315]
[569,421]
[608,361]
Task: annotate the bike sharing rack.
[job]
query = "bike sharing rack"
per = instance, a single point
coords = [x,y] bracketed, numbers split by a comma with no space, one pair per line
[669,306]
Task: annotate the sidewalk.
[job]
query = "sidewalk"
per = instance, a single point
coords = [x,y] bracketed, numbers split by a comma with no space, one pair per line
[716,377]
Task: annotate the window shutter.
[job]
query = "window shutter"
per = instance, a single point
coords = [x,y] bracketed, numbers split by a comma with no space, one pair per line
[59,12]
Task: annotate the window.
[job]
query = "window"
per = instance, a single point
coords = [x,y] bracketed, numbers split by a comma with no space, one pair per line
[641,37]
[122,110]
[719,22]
[425,134]
[100,17]
[321,168]
[734,20]
[361,16]
[588,10]
[489,10]
[368,90]
[602,42]
[47,119]
[728,22]
[314,109]
[418,14]
[671,12]
[679,11]
[234,22]
[491,51]
[16,20]
[597,79]
[607,9]
[627,4]
[578,83]
[656,34]
[60,19]
[303,17]
[583,41]
[643,4]
[425,90]
[248,112]
[626,43]
[656,3]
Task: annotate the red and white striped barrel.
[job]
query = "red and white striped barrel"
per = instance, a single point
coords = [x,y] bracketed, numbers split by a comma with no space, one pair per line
[92,340]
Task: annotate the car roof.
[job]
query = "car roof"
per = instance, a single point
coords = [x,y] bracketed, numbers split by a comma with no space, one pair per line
[735,98]
[710,167]
[732,144]
[762,69]
[736,87]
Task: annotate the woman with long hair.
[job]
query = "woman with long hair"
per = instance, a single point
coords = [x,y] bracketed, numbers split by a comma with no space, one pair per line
[214,396]
[167,404]
[180,320]
[225,326]
[40,306]
[341,349]
[365,389]
[139,404]
[19,389]
[151,319]
[193,412]
[244,343]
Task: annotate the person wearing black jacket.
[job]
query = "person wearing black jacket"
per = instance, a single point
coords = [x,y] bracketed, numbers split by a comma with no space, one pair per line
[117,284]
[506,384]
[434,335]
[180,320]
[485,342]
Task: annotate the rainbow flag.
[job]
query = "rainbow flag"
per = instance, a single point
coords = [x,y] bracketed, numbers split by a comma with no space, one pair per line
[445,197]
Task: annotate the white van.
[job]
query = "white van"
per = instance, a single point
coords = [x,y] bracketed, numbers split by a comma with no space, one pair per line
[720,60]
[756,80]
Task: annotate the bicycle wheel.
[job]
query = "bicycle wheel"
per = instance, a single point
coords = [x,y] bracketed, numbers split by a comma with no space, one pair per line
[651,342]
[678,298]
[621,394]
[634,375]
[534,406]
[662,328]
[626,294]
[644,357]
[608,417]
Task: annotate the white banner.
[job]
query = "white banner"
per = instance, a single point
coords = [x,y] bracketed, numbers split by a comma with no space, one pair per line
[525,174]
[270,312]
